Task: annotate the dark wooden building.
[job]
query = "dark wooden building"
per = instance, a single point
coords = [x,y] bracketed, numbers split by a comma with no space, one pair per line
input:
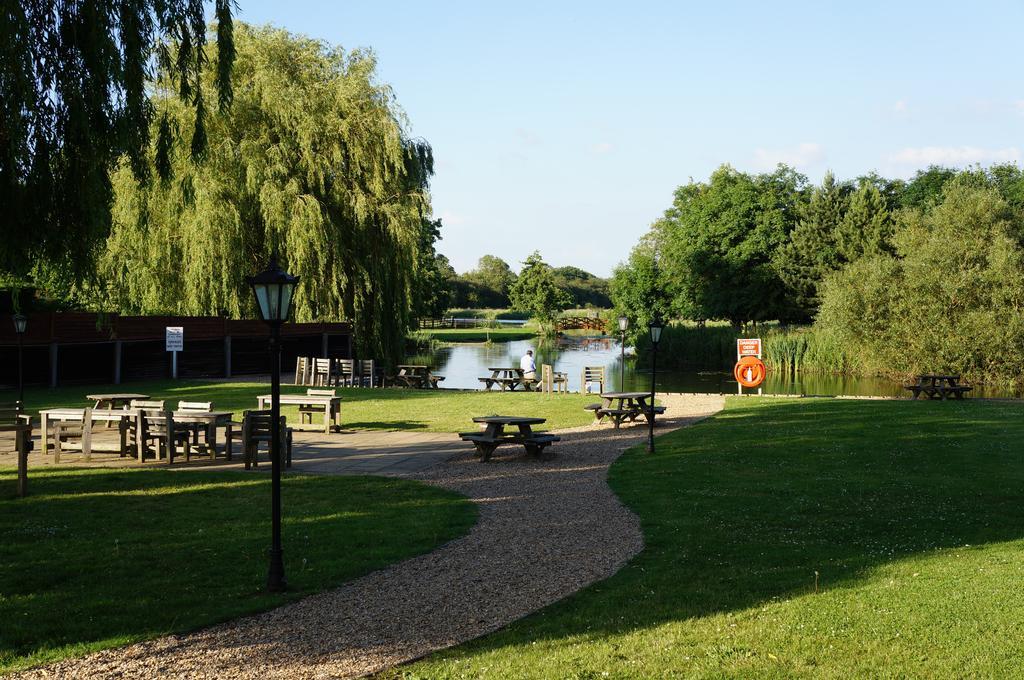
[81,347]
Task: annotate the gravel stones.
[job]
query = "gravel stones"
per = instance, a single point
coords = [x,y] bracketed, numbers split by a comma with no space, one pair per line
[546,529]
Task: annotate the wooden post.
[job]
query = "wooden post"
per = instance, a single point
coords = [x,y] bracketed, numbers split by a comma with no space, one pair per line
[117,362]
[323,345]
[21,449]
[227,356]
[53,364]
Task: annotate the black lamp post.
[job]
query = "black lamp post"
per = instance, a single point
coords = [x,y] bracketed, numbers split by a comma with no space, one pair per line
[623,325]
[655,328]
[274,289]
[20,323]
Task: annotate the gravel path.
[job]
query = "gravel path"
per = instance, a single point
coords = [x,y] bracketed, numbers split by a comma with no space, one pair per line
[546,529]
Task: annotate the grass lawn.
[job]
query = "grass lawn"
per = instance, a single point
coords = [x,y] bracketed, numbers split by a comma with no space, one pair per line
[474,334]
[98,558]
[800,538]
[361,409]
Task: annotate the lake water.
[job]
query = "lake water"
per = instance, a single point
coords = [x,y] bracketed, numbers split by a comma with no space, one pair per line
[463,364]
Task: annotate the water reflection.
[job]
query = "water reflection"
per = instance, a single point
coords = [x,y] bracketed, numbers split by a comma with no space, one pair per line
[463,364]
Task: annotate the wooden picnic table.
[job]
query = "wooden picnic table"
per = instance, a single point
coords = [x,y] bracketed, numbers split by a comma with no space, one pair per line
[331,406]
[938,387]
[508,378]
[416,376]
[620,406]
[494,435]
[126,419]
[113,401]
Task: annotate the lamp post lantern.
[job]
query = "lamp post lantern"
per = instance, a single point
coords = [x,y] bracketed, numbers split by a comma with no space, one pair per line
[20,323]
[655,328]
[623,325]
[274,289]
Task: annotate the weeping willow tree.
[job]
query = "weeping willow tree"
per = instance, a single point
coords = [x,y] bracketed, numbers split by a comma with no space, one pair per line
[73,100]
[312,161]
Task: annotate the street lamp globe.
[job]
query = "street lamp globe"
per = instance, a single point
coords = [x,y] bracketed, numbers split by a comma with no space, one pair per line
[656,327]
[274,290]
[20,322]
[623,323]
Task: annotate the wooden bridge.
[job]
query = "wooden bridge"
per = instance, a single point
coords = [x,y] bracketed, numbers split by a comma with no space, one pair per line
[581,323]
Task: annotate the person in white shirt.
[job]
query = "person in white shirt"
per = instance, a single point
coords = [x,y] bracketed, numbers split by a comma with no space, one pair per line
[528,365]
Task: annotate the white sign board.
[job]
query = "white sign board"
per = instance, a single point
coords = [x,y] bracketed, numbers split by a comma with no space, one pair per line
[175,339]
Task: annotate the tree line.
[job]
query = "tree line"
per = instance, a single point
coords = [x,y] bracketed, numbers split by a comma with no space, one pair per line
[905,276]
[491,283]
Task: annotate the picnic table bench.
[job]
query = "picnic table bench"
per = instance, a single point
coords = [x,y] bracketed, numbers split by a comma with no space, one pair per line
[330,404]
[508,378]
[494,435]
[416,376]
[938,387]
[621,406]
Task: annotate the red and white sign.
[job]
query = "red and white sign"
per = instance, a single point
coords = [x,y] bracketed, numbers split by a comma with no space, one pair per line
[748,347]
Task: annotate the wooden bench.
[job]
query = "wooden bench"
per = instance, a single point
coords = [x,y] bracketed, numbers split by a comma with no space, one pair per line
[938,387]
[485,444]
[494,435]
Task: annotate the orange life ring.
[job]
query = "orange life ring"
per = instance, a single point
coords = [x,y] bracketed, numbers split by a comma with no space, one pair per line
[750,371]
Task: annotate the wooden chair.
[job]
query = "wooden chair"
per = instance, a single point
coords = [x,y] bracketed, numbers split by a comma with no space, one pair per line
[197,407]
[256,429]
[302,368]
[592,374]
[553,381]
[307,411]
[369,374]
[155,431]
[12,419]
[344,372]
[321,372]
[66,431]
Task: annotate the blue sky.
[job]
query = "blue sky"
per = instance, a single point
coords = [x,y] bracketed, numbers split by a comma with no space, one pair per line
[565,127]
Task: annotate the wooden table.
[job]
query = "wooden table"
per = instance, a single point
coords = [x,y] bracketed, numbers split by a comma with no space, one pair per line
[938,387]
[416,376]
[494,435]
[620,406]
[81,415]
[508,378]
[113,401]
[210,419]
[331,405]
[126,419]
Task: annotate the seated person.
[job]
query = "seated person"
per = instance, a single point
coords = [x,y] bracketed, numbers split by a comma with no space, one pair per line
[528,366]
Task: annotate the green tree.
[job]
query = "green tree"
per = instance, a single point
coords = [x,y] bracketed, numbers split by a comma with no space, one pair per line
[586,289]
[489,283]
[432,285]
[951,297]
[311,161]
[925,189]
[637,289]
[866,227]
[813,250]
[718,242]
[73,99]
[535,291]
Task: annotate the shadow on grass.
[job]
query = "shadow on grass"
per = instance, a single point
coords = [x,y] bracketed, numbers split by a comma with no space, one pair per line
[743,509]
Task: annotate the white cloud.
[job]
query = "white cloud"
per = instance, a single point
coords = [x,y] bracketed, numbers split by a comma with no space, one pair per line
[953,155]
[1019,105]
[900,106]
[799,156]
[603,147]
